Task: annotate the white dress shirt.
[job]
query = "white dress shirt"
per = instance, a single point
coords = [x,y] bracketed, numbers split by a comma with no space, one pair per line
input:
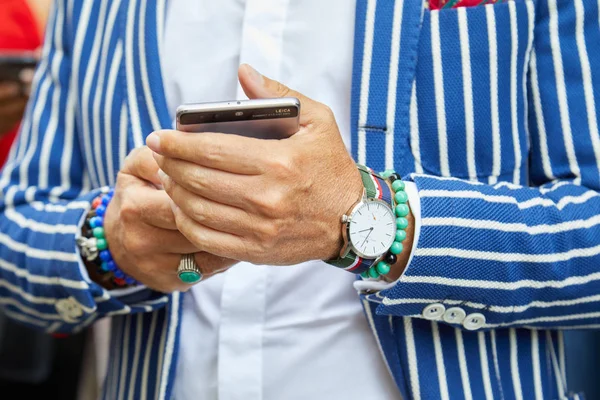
[264,332]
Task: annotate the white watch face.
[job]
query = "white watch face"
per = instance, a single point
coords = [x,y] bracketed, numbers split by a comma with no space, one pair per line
[372,229]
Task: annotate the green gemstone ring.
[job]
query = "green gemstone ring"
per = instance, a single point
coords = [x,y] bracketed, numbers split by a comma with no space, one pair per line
[188,271]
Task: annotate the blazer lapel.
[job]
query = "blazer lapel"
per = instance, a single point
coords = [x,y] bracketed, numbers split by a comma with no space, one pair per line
[142,26]
[385,56]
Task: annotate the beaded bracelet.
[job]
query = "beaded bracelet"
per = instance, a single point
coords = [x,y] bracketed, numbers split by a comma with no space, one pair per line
[384,265]
[95,233]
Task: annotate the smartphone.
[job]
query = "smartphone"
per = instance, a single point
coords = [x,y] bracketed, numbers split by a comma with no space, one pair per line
[262,119]
[12,63]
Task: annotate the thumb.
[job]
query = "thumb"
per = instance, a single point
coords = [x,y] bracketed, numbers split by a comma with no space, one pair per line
[258,86]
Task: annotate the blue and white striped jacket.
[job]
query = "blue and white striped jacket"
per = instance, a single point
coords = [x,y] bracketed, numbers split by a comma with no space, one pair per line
[492,111]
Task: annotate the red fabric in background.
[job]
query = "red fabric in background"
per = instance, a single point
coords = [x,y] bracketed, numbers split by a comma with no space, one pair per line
[18,31]
[438,4]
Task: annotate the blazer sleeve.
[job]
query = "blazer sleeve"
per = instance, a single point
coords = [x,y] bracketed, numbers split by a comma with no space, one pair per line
[516,255]
[44,196]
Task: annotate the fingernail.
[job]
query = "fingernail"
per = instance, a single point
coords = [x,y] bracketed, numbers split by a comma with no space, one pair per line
[26,75]
[162,176]
[153,142]
[174,207]
[254,74]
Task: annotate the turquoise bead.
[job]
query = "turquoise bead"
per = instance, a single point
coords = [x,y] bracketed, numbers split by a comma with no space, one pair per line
[400,235]
[101,244]
[396,248]
[401,223]
[387,173]
[401,196]
[365,274]
[373,273]
[401,210]
[104,267]
[383,268]
[98,232]
[397,185]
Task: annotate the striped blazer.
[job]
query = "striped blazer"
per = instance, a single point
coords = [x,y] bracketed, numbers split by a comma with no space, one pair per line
[491,110]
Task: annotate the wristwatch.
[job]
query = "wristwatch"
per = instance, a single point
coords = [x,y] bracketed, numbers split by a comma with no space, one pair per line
[369,227]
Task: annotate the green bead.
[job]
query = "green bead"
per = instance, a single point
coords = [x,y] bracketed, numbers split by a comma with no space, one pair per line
[396,248]
[400,235]
[401,196]
[387,173]
[401,210]
[401,223]
[383,267]
[373,272]
[365,274]
[101,244]
[397,185]
[98,232]
[189,277]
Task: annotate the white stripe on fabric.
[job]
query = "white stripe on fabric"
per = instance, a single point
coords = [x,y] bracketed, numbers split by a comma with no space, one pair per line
[508,257]
[485,367]
[586,74]
[131,75]
[439,361]
[411,354]
[8,301]
[561,90]
[539,119]
[42,279]
[514,364]
[124,123]
[144,67]
[53,327]
[513,227]
[365,81]
[524,78]
[89,320]
[496,364]
[108,117]
[36,253]
[11,214]
[160,25]
[555,186]
[535,359]
[95,169]
[24,318]
[462,365]
[161,353]
[514,50]
[498,285]
[550,319]
[561,357]
[173,323]
[534,202]
[498,309]
[58,208]
[115,342]
[26,295]
[392,86]
[100,89]
[557,375]
[149,350]
[438,81]
[414,130]
[463,30]
[136,355]
[124,357]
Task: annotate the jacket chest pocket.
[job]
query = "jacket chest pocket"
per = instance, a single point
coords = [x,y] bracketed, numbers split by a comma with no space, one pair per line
[470,97]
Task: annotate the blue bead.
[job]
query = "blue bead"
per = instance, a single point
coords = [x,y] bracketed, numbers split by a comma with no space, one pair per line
[129,280]
[112,266]
[105,255]
[100,210]
[95,222]
[105,200]
[119,274]
[111,192]
[104,267]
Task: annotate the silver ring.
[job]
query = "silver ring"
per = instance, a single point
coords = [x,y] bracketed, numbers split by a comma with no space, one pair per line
[188,271]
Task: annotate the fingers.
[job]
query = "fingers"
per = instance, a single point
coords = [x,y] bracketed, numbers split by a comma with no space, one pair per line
[214,215]
[166,241]
[225,152]
[211,265]
[208,183]
[257,86]
[141,164]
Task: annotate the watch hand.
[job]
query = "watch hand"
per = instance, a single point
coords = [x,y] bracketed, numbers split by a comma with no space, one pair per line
[364,230]
[368,234]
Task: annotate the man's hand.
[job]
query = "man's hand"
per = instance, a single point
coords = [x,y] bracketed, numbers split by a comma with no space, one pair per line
[263,201]
[13,100]
[141,230]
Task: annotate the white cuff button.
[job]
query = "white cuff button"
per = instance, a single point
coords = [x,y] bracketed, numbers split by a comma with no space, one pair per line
[69,309]
[454,315]
[474,321]
[434,311]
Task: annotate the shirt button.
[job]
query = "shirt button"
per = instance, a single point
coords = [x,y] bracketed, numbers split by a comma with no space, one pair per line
[434,311]
[69,309]
[474,321]
[455,315]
